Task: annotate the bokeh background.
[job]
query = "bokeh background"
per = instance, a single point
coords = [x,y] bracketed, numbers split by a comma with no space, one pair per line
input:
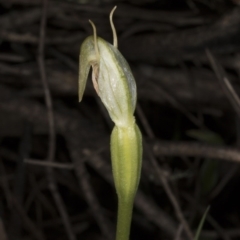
[55,169]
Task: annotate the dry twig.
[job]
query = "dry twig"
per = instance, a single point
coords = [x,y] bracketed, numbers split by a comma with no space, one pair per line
[29,225]
[162,178]
[193,149]
[169,192]
[68,166]
[88,191]
[52,134]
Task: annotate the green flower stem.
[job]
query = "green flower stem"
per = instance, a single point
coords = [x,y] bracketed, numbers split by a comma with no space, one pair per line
[114,83]
[126,155]
[124,219]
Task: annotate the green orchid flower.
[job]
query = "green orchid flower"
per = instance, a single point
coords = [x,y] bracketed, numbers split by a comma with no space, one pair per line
[115,85]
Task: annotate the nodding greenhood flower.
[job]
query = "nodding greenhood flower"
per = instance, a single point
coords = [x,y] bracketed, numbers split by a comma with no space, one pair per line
[111,76]
[116,87]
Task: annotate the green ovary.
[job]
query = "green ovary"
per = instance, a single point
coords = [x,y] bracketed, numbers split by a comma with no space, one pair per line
[126,153]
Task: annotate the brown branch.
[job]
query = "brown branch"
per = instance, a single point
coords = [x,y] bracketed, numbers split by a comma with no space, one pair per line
[232,233]
[174,82]
[223,182]
[192,149]
[161,176]
[176,104]
[184,44]
[49,164]
[36,193]
[15,226]
[34,112]
[234,100]
[83,178]
[225,83]
[29,225]
[52,134]
[144,122]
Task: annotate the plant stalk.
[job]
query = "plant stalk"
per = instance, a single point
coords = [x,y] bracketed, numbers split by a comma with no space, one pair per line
[124,219]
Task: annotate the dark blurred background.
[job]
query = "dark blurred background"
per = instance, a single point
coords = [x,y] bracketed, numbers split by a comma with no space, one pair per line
[55,170]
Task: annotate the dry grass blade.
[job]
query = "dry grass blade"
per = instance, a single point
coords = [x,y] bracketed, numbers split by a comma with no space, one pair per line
[225,83]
